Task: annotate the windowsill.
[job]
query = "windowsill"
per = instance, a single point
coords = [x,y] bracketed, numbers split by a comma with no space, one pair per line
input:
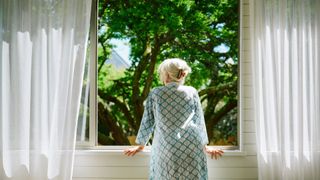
[118,150]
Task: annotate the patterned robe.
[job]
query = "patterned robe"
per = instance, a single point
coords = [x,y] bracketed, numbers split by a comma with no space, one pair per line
[174,114]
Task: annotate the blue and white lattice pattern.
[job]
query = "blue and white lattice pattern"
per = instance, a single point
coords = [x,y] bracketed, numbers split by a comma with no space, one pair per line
[174,114]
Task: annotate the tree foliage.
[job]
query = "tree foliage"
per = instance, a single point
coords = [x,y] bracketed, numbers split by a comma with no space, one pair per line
[204,33]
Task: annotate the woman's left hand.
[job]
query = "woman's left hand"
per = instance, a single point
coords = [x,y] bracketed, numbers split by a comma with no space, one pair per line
[216,153]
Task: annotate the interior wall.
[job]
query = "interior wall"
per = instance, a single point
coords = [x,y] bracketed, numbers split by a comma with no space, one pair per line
[112,164]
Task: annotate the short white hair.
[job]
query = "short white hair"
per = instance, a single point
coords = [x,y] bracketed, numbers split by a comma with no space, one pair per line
[173,68]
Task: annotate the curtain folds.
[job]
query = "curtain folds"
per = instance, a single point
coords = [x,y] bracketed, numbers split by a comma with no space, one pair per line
[286,66]
[42,53]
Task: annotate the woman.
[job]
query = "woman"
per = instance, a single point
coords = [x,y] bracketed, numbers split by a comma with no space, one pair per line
[173,112]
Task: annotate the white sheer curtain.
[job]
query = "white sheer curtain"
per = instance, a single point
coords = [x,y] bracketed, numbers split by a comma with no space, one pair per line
[42,51]
[286,72]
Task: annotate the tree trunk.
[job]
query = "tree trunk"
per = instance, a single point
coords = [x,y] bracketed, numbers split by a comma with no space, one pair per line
[109,121]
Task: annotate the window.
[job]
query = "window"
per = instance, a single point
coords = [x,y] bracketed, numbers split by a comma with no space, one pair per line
[133,38]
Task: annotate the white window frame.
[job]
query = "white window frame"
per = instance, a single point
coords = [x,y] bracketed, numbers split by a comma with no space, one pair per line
[93,117]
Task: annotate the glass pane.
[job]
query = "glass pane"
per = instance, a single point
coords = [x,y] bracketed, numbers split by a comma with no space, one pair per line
[84,112]
[135,38]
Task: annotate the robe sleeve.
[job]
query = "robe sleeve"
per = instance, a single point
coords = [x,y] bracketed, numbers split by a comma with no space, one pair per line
[199,120]
[147,122]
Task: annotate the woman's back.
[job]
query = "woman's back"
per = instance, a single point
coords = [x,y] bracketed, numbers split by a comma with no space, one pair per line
[173,113]
[179,133]
[174,106]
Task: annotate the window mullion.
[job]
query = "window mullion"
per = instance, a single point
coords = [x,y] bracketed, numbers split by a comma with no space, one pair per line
[93,74]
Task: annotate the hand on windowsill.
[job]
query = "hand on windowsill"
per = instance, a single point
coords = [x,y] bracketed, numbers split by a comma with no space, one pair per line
[132,151]
[216,153]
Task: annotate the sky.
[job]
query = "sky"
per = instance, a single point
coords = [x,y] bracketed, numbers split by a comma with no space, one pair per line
[123,48]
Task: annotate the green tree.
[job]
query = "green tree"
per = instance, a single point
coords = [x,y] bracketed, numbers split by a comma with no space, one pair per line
[156,30]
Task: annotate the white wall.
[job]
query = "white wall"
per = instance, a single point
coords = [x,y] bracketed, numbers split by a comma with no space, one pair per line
[108,164]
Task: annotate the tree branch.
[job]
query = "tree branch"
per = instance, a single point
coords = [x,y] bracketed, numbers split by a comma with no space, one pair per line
[154,53]
[136,98]
[104,56]
[220,88]
[122,106]
[216,117]
[109,121]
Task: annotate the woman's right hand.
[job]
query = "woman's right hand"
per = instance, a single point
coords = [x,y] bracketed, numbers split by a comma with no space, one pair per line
[132,151]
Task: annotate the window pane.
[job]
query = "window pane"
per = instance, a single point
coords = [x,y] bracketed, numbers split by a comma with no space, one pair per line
[83,118]
[134,38]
